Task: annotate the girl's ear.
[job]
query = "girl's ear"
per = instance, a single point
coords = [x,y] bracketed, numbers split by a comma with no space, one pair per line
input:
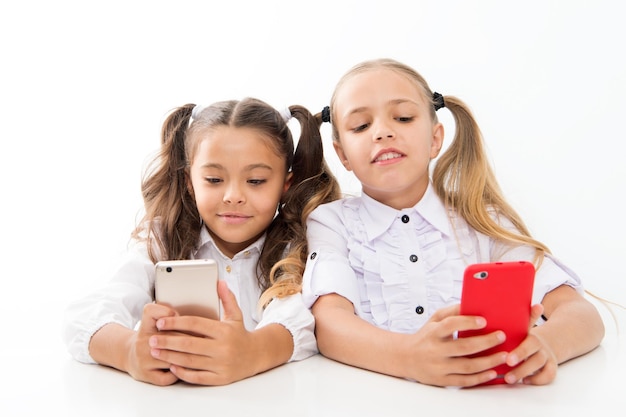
[341,154]
[288,180]
[437,143]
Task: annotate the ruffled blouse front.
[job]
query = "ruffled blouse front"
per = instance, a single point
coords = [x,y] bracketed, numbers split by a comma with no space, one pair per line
[398,267]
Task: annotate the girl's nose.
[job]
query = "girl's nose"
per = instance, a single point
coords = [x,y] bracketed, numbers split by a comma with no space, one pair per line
[382,131]
[233,195]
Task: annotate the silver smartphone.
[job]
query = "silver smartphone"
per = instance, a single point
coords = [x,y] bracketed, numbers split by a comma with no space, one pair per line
[189,286]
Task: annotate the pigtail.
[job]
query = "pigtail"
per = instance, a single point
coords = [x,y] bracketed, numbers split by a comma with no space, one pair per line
[312,184]
[171,224]
[462,177]
[464,180]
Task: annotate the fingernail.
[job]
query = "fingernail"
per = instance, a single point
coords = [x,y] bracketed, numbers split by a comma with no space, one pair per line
[155,352]
[481,322]
[512,360]
[510,379]
[160,323]
[152,341]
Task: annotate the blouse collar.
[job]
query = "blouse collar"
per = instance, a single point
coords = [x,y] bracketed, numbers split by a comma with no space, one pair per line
[207,239]
[379,217]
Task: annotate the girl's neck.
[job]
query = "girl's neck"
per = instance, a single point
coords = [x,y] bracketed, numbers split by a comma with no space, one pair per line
[230,249]
[398,200]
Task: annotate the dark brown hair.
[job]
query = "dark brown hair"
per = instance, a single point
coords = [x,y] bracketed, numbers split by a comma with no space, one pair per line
[171,224]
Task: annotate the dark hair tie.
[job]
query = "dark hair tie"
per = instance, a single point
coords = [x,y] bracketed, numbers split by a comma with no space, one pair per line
[326,114]
[438,101]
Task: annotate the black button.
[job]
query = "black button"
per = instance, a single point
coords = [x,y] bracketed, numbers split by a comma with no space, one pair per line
[313,255]
[405,218]
[413,258]
[419,310]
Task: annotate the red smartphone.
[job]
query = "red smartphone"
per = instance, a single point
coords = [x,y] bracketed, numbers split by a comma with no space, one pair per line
[501,292]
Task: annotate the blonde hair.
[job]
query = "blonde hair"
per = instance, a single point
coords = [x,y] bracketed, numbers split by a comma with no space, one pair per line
[462,176]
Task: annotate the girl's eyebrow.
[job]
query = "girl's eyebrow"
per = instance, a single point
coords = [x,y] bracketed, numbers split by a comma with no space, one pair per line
[258,165]
[403,100]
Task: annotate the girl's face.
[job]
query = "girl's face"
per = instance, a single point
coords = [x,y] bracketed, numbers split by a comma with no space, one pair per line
[237,181]
[386,135]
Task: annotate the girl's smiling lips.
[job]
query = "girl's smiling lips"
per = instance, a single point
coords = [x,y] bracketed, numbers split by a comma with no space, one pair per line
[387,155]
[233,218]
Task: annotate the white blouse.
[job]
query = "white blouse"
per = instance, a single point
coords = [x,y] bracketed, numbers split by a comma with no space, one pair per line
[132,286]
[398,267]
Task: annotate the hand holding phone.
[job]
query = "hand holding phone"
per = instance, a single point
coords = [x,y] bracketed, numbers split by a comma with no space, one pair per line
[501,292]
[188,286]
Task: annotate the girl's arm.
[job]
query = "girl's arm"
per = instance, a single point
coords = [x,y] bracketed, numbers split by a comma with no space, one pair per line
[121,300]
[432,355]
[128,350]
[574,327]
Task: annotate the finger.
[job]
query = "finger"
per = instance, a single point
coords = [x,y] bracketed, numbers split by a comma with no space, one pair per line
[448,322]
[464,325]
[151,313]
[536,364]
[473,345]
[161,378]
[462,380]
[477,364]
[546,375]
[529,347]
[190,325]
[192,376]
[535,312]
[232,312]
[181,343]
[185,359]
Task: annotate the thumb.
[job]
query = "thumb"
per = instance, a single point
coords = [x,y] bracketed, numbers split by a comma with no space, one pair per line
[230,308]
[535,312]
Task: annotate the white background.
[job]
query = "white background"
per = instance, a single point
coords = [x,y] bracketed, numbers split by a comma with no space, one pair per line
[85,87]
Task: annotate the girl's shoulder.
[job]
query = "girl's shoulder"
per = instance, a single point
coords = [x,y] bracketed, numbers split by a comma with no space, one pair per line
[336,214]
[337,207]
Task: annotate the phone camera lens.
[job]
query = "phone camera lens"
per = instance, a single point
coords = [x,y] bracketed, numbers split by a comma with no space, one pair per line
[481,275]
[168,269]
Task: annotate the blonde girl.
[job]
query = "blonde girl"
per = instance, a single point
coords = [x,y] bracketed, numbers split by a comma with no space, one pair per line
[385,269]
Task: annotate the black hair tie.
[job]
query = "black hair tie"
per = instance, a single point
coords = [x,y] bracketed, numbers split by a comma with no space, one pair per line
[438,101]
[326,114]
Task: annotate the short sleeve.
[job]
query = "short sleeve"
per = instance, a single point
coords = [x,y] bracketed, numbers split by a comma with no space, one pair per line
[328,273]
[328,269]
[551,274]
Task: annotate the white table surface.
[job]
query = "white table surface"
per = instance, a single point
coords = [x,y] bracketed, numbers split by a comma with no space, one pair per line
[39,380]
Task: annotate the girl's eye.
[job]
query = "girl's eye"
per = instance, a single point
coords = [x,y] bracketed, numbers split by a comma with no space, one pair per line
[213,180]
[404,119]
[256,182]
[360,128]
